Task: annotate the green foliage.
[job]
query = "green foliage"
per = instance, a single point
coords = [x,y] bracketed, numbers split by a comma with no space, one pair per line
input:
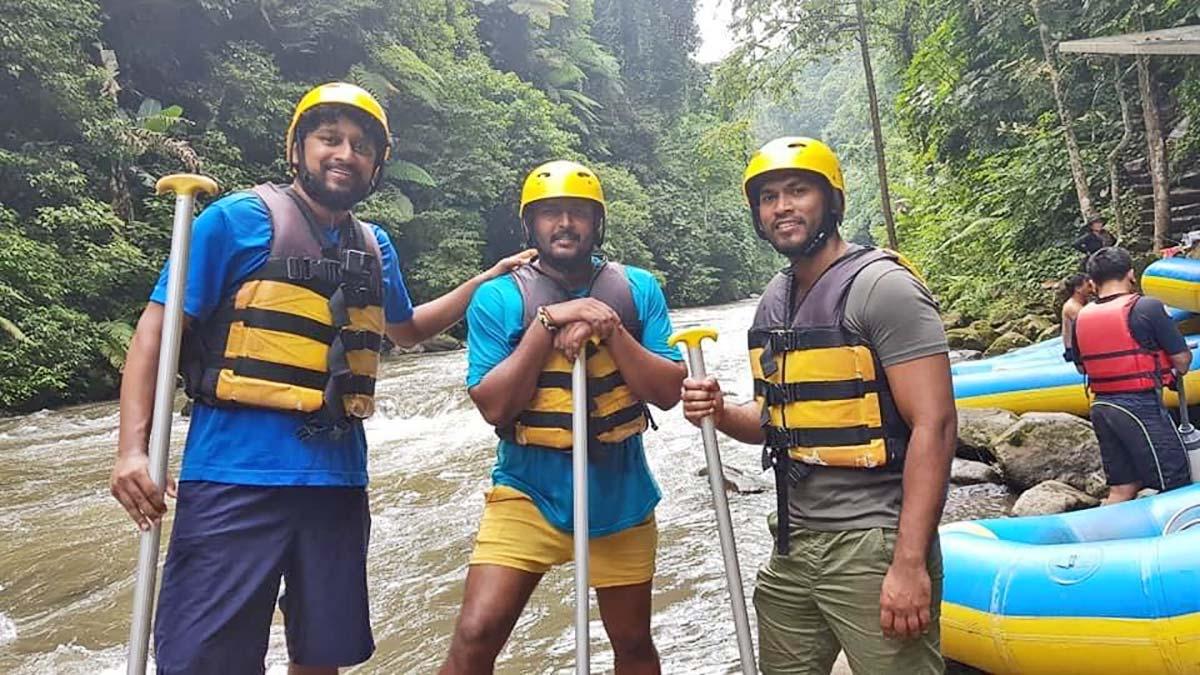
[104,96]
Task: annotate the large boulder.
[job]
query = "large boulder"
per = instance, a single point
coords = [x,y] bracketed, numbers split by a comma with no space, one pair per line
[965,338]
[1049,333]
[1044,446]
[1031,326]
[959,355]
[738,481]
[967,472]
[441,342]
[978,429]
[1006,343]
[1052,496]
[984,330]
[954,320]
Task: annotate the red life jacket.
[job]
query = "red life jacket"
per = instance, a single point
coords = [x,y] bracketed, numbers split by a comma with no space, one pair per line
[1115,362]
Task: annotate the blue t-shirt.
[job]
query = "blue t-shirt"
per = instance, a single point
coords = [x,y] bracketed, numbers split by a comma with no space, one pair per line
[258,446]
[621,491]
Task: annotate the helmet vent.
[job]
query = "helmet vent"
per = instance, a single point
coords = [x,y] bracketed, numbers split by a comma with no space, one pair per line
[797,145]
[544,174]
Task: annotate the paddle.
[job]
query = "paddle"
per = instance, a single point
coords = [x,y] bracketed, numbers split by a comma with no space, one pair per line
[185,186]
[579,459]
[716,483]
[1187,432]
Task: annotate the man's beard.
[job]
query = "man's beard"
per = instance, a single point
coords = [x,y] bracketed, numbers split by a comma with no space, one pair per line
[581,258]
[803,249]
[316,186]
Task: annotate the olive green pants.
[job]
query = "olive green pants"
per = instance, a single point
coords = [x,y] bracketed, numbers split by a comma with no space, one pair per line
[824,596]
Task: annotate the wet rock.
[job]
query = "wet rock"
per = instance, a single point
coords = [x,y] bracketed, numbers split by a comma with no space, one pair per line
[984,330]
[1052,496]
[954,320]
[965,338]
[967,472]
[1003,313]
[438,343]
[1096,484]
[1006,343]
[738,481]
[1045,446]
[1049,333]
[186,410]
[1031,326]
[958,355]
[977,432]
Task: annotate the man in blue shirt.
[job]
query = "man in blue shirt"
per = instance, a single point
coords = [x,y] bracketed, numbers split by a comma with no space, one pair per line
[288,298]
[525,330]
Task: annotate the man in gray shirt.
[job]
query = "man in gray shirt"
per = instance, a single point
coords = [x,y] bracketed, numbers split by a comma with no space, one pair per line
[855,408]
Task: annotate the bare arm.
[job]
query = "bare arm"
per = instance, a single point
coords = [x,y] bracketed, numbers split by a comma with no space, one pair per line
[506,389]
[130,482]
[438,314]
[1182,362]
[649,376]
[924,396]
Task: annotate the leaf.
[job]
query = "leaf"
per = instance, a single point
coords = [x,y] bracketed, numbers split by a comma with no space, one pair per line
[402,170]
[115,337]
[539,11]
[149,108]
[403,205]
[13,330]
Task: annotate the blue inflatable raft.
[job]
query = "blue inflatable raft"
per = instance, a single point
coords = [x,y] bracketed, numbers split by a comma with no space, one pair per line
[1114,589]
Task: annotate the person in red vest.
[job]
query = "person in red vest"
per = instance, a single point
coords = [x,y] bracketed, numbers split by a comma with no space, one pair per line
[1130,349]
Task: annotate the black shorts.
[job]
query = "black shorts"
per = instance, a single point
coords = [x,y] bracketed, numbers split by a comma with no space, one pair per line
[231,545]
[1139,442]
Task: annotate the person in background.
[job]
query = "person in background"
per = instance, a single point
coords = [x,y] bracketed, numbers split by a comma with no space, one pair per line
[1094,237]
[1075,291]
[1130,349]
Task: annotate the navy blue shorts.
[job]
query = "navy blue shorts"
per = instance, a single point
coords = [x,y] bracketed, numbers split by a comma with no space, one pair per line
[231,545]
[1139,442]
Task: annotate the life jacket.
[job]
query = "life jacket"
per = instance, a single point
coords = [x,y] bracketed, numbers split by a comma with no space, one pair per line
[615,414]
[823,392]
[1113,359]
[303,332]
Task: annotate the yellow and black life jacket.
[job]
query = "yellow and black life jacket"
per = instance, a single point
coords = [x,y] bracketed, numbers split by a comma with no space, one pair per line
[615,413]
[823,391]
[303,332]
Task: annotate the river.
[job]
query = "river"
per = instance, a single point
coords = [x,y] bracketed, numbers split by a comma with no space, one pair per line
[66,564]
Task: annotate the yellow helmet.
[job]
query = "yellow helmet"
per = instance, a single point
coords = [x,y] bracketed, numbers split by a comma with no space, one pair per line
[794,152]
[341,93]
[562,178]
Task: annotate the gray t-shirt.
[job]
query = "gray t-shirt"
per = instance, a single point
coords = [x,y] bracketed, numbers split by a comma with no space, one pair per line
[899,318]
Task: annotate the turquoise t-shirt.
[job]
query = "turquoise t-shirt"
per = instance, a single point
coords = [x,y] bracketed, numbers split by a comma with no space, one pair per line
[257,446]
[621,491]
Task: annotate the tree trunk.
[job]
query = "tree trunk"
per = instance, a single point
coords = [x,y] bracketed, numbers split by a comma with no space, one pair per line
[885,198]
[1114,157]
[1086,206]
[1157,153]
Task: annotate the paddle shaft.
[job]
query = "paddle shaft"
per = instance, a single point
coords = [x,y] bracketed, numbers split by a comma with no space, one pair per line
[716,482]
[579,459]
[1184,423]
[160,430]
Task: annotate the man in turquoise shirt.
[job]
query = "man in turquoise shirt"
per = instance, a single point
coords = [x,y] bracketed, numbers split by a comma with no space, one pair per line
[525,329]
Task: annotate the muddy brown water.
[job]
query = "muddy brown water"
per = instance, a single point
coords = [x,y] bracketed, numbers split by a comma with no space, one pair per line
[67,556]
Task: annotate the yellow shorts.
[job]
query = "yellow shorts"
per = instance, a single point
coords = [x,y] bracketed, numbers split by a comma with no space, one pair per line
[514,533]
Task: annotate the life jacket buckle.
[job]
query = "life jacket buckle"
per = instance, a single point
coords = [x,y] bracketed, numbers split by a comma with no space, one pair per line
[355,263]
[298,269]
